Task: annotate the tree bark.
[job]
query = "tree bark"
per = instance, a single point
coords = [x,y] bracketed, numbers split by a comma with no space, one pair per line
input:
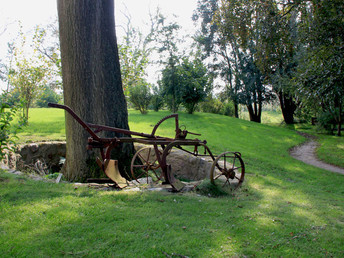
[288,107]
[91,79]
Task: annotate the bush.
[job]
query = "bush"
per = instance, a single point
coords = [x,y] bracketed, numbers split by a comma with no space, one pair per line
[327,121]
[157,101]
[140,97]
[215,106]
[7,129]
[48,95]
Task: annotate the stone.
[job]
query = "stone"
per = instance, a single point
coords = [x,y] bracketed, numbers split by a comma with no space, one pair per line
[186,166]
[48,153]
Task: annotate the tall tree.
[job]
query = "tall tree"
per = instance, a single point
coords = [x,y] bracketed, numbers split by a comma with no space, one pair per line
[91,78]
[27,73]
[321,73]
[216,48]
[167,39]
[277,50]
[237,22]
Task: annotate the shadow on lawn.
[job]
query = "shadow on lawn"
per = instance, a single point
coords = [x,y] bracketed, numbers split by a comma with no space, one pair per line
[263,218]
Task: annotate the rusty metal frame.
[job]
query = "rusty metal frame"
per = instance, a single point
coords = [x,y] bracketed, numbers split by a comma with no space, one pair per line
[105,145]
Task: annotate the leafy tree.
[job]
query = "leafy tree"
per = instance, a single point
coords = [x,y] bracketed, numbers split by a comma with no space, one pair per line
[194,83]
[167,40]
[319,77]
[277,48]
[91,80]
[134,53]
[140,96]
[170,85]
[229,34]
[237,22]
[28,74]
[47,95]
[157,100]
[216,49]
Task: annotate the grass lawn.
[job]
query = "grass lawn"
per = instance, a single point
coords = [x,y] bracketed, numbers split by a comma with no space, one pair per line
[285,207]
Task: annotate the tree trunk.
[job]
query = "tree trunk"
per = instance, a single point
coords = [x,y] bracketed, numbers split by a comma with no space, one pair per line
[288,107]
[91,79]
[255,115]
[236,110]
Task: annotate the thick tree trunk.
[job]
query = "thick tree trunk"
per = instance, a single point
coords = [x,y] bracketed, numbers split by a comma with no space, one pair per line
[91,78]
[255,114]
[288,107]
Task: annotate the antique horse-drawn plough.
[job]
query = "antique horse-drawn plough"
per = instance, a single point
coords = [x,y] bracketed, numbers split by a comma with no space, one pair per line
[150,162]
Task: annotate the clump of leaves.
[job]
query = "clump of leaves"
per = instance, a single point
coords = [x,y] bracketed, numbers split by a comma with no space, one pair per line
[208,189]
[7,129]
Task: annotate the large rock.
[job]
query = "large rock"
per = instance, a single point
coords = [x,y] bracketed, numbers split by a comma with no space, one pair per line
[186,166]
[49,153]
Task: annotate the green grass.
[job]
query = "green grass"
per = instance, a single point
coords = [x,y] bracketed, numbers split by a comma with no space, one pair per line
[44,124]
[285,207]
[331,150]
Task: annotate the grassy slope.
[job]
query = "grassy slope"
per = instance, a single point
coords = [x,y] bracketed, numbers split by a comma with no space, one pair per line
[285,208]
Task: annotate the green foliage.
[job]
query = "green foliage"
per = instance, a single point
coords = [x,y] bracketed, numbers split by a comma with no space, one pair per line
[194,82]
[157,101]
[171,87]
[233,43]
[140,96]
[8,127]
[134,52]
[47,95]
[320,75]
[28,73]
[216,106]
[327,121]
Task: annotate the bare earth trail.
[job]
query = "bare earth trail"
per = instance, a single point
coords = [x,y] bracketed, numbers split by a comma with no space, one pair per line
[306,153]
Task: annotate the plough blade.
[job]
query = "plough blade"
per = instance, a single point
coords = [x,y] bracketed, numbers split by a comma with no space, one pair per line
[111,170]
[176,184]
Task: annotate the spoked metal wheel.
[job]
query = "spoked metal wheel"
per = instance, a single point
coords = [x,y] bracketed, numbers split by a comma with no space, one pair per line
[228,170]
[145,165]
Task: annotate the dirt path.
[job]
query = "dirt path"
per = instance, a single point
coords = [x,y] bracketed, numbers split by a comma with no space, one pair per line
[306,153]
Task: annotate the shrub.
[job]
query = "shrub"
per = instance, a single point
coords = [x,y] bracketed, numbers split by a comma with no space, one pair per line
[7,128]
[140,97]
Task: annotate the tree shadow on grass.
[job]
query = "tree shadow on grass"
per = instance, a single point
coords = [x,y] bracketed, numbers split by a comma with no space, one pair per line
[263,218]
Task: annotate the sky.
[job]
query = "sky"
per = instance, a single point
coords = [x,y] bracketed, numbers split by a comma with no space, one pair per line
[43,12]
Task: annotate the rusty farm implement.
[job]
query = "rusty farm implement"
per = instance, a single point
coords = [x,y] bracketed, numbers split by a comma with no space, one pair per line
[151,161]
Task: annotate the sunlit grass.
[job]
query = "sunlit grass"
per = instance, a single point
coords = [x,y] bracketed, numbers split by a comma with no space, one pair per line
[332,150]
[285,208]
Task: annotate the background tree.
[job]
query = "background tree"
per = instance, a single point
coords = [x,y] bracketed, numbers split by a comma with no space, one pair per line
[91,79]
[277,50]
[320,77]
[134,52]
[216,48]
[28,73]
[140,96]
[167,39]
[238,22]
[194,83]
[157,100]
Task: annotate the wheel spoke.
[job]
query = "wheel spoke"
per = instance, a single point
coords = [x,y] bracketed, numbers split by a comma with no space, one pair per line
[142,158]
[217,176]
[233,172]
[233,162]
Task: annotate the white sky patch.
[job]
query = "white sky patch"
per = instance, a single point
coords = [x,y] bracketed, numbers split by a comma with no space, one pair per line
[43,12]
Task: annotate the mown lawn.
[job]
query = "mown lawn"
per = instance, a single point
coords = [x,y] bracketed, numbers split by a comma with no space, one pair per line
[285,208]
